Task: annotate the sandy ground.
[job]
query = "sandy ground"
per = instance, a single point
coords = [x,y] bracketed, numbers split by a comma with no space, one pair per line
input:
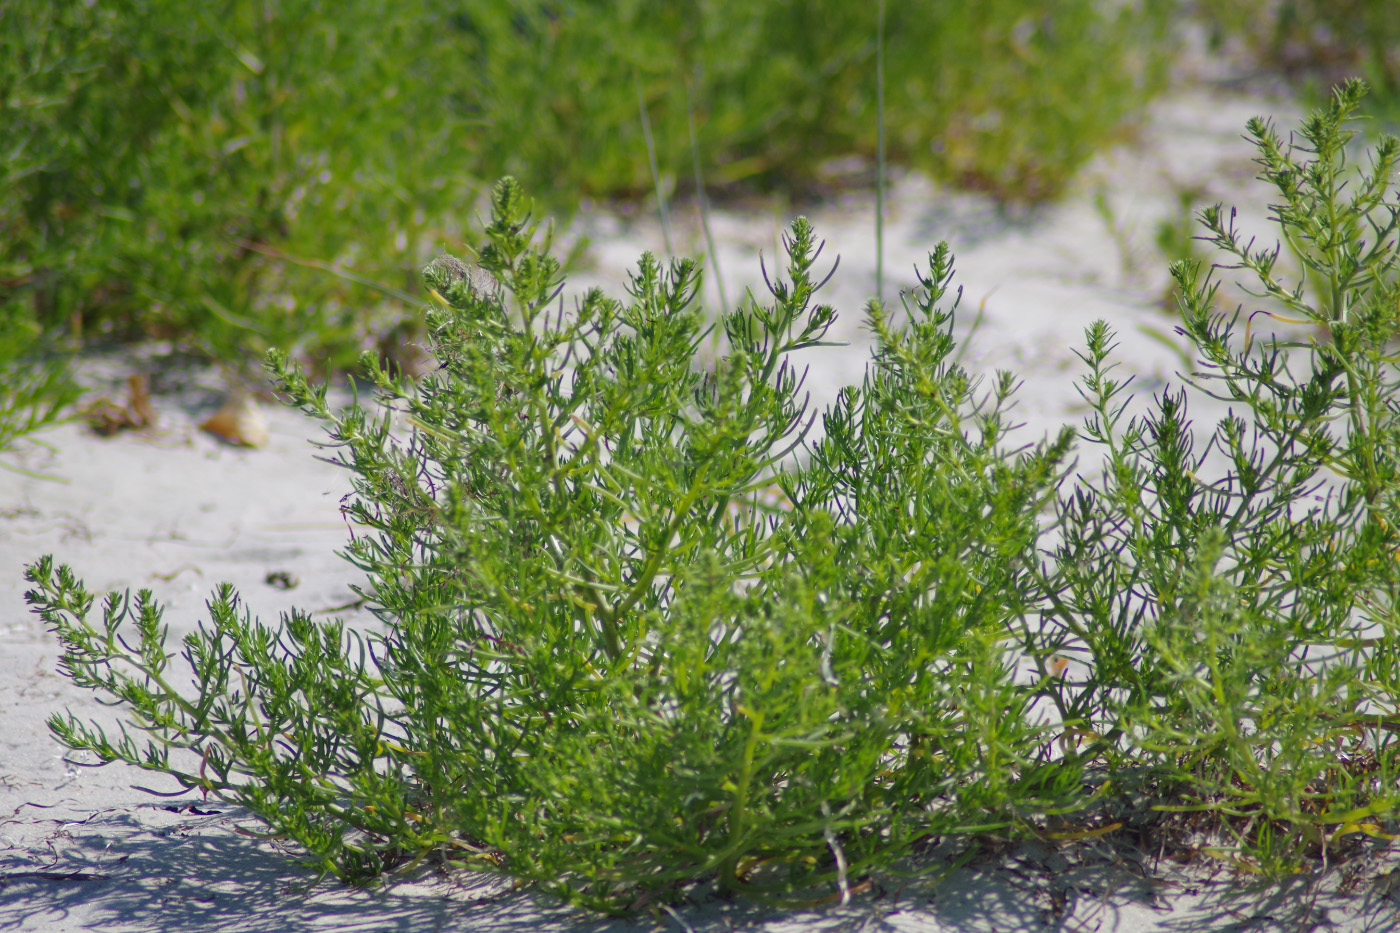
[175,510]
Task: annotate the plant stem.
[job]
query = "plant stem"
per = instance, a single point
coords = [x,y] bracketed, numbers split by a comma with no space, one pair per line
[700,199]
[880,155]
[651,157]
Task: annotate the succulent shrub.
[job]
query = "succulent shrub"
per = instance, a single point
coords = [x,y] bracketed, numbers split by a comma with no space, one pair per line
[641,631]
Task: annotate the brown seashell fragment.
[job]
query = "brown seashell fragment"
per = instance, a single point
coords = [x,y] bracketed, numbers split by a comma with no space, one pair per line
[238,422]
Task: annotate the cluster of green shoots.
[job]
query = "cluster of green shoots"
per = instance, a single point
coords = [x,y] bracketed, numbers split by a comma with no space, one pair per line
[642,632]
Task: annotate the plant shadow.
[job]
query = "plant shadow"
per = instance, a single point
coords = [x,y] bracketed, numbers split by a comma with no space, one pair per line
[183,868]
[135,869]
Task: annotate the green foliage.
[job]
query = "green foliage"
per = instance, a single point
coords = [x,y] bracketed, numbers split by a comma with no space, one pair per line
[1233,606]
[33,391]
[189,173]
[632,644]
[161,160]
[625,650]
[1317,43]
[1006,96]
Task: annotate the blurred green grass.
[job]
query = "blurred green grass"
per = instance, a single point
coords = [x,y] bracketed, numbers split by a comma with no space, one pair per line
[1317,44]
[189,172]
[165,163]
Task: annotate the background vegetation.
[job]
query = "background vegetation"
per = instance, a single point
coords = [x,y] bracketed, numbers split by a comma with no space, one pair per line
[1316,44]
[190,174]
[187,173]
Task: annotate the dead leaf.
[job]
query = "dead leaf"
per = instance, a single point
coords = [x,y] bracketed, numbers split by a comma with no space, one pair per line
[107,417]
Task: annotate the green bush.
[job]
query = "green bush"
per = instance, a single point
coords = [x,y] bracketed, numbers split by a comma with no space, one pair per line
[626,650]
[632,645]
[1233,605]
[188,173]
[1008,96]
[162,159]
